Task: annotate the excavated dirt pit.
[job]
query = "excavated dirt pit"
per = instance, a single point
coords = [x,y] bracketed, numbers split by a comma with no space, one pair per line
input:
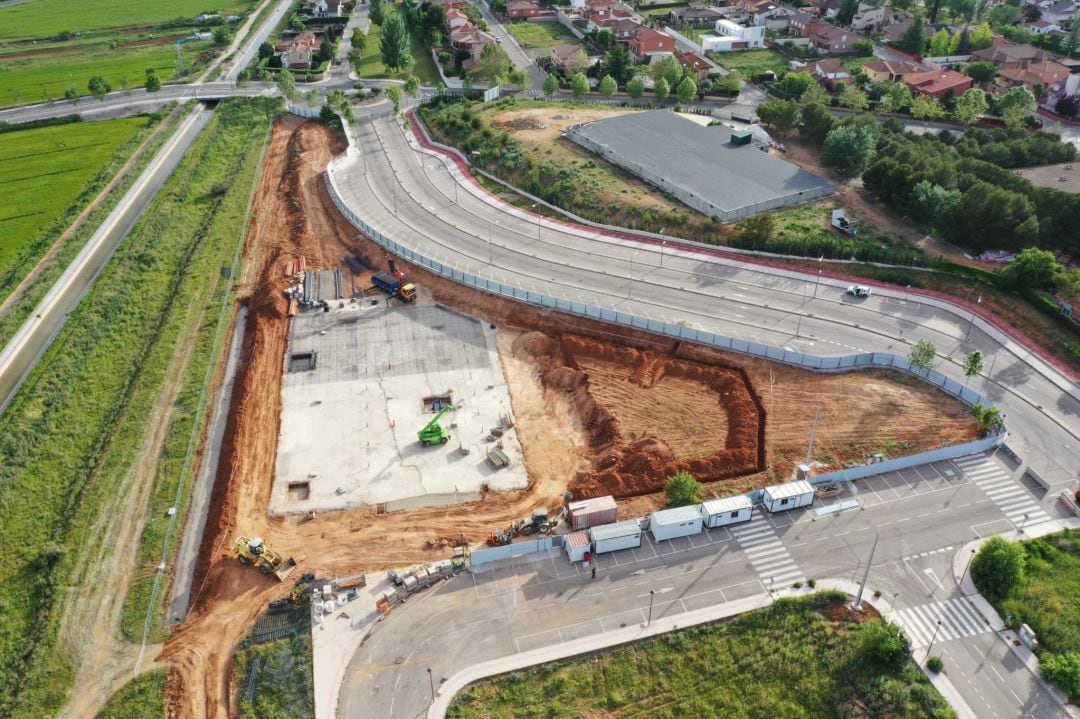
[647,416]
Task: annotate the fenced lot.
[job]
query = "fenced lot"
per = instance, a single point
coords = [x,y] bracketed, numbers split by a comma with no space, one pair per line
[540,35]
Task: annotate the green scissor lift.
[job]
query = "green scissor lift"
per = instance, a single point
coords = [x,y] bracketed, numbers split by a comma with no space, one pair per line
[433,432]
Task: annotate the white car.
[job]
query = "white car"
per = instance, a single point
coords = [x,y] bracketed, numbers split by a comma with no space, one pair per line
[858,291]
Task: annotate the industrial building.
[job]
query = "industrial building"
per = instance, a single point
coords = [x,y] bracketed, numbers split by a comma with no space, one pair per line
[698,165]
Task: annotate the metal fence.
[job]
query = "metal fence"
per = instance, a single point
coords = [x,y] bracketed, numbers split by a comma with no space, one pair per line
[507,551]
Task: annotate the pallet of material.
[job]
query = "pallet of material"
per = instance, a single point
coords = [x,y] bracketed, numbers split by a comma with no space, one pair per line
[498,458]
[294,307]
[295,266]
[353,582]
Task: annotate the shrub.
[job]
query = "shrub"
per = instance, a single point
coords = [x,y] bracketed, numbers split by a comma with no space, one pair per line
[882,643]
[935,664]
[683,489]
[998,568]
[1063,670]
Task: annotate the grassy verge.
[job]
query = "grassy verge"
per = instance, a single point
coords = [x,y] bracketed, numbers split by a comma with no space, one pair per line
[141,698]
[75,428]
[540,34]
[752,62]
[44,18]
[50,174]
[371,64]
[24,305]
[176,467]
[797,658]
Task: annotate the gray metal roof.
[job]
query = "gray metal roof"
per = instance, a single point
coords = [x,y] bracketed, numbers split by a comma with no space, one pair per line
[700,159]
[675,515]
[726,505]
[617,529]
[791,489]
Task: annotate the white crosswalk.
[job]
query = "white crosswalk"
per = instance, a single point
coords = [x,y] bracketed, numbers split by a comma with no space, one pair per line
[767,553]
[1011,498]
[957,617]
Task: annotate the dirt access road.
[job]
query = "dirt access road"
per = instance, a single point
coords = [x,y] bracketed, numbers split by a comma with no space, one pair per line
[293,216]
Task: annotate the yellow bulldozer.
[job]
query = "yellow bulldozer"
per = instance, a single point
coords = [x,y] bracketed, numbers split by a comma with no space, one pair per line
[252,550]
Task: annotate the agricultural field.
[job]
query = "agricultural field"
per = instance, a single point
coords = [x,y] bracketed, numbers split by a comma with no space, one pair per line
[75,447]
[751,62]
[47,171]
[533,35]
[49,46]
[806,657]
[371,65]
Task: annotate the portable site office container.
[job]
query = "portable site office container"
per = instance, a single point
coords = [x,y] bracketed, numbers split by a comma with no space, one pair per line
[729,510]
[781,497]
[592,512]
[613,537]
[677,522]
[576,545]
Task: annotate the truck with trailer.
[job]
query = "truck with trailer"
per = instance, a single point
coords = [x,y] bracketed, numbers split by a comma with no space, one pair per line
[395,287]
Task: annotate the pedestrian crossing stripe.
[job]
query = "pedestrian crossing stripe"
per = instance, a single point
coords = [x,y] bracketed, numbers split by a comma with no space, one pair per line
[958,619]
[1014,501]
[768,555]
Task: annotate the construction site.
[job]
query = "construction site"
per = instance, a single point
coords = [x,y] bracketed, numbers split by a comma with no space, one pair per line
[375,423]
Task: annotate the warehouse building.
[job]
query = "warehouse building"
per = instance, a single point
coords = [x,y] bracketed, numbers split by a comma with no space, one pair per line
[700,166]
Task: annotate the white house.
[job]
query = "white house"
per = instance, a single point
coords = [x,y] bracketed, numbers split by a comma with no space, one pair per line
[733,36]
[871,16]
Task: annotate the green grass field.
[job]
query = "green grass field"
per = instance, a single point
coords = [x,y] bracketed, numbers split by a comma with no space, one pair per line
[787,660]
[751,62]
[44,171]
[283,677]
[46,18]
[141,698]
[72,433]
[371,65]
[540,34]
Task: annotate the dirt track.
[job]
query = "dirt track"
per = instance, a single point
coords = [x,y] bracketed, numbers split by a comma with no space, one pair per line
[293,216]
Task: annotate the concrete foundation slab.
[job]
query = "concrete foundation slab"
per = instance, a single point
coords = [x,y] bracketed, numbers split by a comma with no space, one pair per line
[360,381]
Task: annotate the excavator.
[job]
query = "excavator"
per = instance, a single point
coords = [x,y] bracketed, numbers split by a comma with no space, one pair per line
[433,432]
[252,550]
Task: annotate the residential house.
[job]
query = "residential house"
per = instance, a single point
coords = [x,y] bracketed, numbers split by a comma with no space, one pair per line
[622,29]
[306,39]
[1009,54]
[456,19]
[1041,27]
[525,9]
[730,35]
[890,70]
[571,58]
[897,29]
[939,84]
[695,15]
[871,17]
[472,40]
[696,64]
[1062,12]
[824,8]
[829,71]
[799,24]
[828,39]
[767,14]
[1045,72]
[326,8]
[448,5]
[649,43]
[603,18]
[595,6]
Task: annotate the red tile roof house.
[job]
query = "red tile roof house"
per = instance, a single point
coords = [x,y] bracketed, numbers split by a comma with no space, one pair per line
[696,15]
[525,9]
[456,19]
[939,83]
[890,70]
[624,28]
[648,43]
[830,71]
[699,65]
[471,40]
[831,40]
[569,57]
[1046,73]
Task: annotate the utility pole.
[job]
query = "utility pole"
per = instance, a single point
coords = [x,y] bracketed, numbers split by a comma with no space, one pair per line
[813,434]
[857,604]
[932,639]
[431,682]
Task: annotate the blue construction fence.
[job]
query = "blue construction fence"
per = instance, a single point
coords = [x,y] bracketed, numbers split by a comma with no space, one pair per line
[508,551]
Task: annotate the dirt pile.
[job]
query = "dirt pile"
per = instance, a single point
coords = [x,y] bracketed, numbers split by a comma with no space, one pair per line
[648,416]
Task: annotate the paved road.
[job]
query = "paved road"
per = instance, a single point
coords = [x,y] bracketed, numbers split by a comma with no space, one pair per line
[515,608]
[408,196]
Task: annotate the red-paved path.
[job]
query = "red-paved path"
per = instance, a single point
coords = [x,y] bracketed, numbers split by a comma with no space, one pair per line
[420,133]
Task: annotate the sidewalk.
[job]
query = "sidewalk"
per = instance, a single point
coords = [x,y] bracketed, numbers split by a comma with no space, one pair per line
[452,686]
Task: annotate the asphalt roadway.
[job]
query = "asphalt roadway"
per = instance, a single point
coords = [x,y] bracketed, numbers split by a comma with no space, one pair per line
[519,607]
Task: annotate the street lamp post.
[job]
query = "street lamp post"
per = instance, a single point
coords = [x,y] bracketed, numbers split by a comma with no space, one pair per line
[431,683]
[630,277]
[536,208]
[933,639]
[971,321]
[652,595]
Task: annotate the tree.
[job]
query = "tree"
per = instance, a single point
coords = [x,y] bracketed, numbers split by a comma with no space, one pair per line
[925,107]
[912,40]
[935,7]
[1072,43]
[781,115]
[579,84]
[854,98]
[662,89]
[983,71]
[287,84]
[682,489]
[816,93]
[666,68]
[1031,13]
[973,363]
[99,87]
[376,11]
[730,84]
[923,354]
[795,84]
[759,229]
[551,85]
[932,205]
[882,644]
[636,87]
[1016,106]
[686,89]
[619,64]
[1062,669]
[393,94]
[981,37]
[153,82]
[432,25]
[896,97]
[221,35]
[604,38]
[847,11]
[493,64]
[267,50]
[998,568]
[1068,106]
[607,86]
[817,123]
[970,106]
[939,43]
[520,79]
[864,48]
[326,51]
[1035,269]
[72,93]
[849,149]
[412,86]
[394,43]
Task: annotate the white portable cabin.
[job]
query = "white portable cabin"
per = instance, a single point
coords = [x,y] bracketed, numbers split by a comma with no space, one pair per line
[729,510]
[576,545]
[675,522]
[613,537]
[781,497]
